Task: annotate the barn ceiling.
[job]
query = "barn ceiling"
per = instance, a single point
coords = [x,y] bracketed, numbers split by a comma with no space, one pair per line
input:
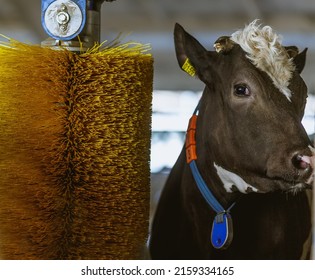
[152,21]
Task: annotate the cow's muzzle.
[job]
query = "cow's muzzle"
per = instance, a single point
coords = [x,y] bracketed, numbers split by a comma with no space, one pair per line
[305,166]
[294,171]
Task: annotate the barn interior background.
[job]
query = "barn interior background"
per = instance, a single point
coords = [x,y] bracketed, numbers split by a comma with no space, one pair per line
[152,21]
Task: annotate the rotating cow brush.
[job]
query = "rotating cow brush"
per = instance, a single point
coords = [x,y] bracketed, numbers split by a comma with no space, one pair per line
[74,141]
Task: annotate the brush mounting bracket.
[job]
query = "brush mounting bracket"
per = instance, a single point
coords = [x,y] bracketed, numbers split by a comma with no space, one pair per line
[72,24]
[63,19]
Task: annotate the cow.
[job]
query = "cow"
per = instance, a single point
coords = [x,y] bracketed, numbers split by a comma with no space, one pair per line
[239,187]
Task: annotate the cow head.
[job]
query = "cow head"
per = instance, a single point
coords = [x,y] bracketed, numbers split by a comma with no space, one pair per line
[249,127]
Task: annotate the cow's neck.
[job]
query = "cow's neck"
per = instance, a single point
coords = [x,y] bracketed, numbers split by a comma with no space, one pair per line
[222,226]
[214,183]
[207,182]
[202,168]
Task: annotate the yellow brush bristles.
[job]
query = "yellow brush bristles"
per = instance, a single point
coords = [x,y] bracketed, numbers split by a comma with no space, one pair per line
[74,151]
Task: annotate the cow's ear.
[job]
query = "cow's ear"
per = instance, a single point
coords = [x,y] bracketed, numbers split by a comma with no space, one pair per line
[298,58]
[191,55]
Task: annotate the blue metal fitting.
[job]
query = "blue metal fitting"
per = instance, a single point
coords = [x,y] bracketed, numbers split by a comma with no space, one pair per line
[63,19]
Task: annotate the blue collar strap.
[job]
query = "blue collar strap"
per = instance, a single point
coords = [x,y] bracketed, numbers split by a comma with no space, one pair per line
[222,228]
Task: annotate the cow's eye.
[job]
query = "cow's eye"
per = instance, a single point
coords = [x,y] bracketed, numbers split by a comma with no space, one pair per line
[241,91]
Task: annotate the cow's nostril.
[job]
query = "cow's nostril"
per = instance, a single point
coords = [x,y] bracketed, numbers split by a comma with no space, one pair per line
[301,162]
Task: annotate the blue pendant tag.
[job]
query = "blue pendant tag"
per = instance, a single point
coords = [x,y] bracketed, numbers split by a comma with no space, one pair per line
[222,231]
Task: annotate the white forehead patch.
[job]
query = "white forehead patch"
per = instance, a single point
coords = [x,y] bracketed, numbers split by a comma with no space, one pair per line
[263,48]
[230,179]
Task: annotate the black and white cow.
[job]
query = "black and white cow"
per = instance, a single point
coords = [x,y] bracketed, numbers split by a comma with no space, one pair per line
[247,155]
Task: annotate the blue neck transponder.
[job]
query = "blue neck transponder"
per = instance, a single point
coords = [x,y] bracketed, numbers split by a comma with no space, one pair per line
[222,227]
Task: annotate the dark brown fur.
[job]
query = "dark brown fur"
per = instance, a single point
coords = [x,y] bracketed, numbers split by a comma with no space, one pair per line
[255,137]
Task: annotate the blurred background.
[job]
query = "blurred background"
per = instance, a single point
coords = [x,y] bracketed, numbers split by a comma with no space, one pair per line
[152,21]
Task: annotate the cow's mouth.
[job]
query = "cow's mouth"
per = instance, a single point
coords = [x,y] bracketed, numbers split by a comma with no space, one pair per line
[299,187]
[286,183]
[292,186]
[265,182]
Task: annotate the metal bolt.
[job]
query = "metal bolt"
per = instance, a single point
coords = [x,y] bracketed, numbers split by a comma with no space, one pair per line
[63,28]
[64,8]
[63,18]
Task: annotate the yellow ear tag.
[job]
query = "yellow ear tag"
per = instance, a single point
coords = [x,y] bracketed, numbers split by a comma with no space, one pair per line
[188,68]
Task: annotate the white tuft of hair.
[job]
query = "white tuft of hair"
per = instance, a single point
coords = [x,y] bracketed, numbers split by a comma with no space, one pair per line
[263,48]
